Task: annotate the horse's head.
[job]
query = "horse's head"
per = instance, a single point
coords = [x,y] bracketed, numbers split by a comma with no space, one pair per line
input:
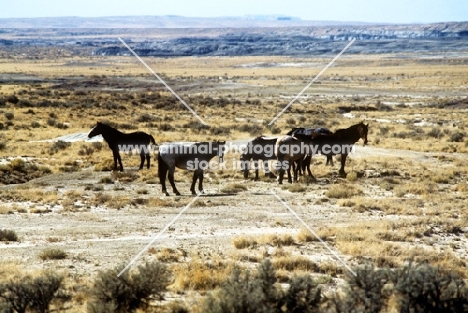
[363,128]
[220,146]
[97,130]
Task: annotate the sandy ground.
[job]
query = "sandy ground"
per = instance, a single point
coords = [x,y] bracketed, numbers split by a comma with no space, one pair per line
[98,237]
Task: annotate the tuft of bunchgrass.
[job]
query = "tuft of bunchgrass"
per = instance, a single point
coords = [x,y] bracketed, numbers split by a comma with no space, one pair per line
[52,254]
[8,235]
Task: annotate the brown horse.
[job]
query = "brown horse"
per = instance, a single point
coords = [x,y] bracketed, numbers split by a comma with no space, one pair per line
[260,148]
[119,141]
[194,157]
[288,151]
[341,142]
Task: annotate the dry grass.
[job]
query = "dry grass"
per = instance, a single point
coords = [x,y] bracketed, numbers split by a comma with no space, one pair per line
[201,275]
[342,191]
[6,209]
[52,254]
[233,188]
[421,208]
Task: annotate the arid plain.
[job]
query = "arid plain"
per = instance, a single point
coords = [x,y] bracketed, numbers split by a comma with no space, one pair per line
[404,198]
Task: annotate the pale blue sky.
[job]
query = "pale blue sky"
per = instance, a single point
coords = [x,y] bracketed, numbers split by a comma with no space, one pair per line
[387,11]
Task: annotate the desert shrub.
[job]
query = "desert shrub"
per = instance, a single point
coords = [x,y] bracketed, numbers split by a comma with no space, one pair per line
[195,125]
[9,116]
[59,145]
[52,254]
[13,99]
[97,145]
[27,294]
[457,137]
[2,102]
[51,121]
[244,242]
[24,104]
[166,127]
[35,124]
[364,292]
[252,129]
[145,118]
[291,121]
[382,106]
[86,150]
[435,133]
[244,292]
[341,191]
[2,145]
[220,130]
[8,235]
[61,125]
[18,165]
[275,130]
[297,188]
[401,135]
[233,188]
[129,291]
[425,288]
[107,180]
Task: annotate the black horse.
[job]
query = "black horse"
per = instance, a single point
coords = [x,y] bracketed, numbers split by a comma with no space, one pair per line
[119,141]
[194,157]
[307,134]
[260,148]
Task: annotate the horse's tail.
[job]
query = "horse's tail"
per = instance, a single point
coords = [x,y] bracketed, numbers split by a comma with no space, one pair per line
[152,140]
[162,168]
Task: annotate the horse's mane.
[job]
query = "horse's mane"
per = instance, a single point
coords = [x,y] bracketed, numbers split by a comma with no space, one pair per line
[107,126]
[264,138]
[350,127]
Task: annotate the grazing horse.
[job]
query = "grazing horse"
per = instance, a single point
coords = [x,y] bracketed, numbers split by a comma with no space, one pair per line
[119,141]
[260,148]
[194,157]
[289,150]
[341,142]
[305,133]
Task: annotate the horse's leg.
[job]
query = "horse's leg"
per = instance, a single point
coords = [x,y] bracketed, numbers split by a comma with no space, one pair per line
[162,179]
[289,172]
[305,165]
[257,168]
[148,157]
[117,158]
[200,182]
[343,162]
[280,172]
[162,171]
[142,158]
[171,180]
[120,161]
[196,175]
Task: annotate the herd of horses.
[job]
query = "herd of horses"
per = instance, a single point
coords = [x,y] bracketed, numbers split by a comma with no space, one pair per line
[288,150]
